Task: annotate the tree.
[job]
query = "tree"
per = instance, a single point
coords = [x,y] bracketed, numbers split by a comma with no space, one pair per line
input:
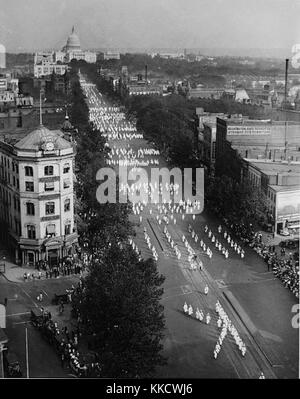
[120,303]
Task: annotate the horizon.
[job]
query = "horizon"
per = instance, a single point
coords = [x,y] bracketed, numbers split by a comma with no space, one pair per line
[199,24]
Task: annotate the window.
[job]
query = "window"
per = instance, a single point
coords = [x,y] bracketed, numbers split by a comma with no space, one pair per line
[49,186]
[67,205]
[67,229]
[66,168]
[31,232]
[28,171]
[48,170]
[67,183]
[30,208]
[50,230]
[50,208]
[29,186]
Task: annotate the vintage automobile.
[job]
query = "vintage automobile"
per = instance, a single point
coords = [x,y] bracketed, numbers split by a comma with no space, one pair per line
[36,317]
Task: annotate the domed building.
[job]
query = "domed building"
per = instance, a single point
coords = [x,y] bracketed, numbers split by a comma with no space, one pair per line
[47,63]
[73,42]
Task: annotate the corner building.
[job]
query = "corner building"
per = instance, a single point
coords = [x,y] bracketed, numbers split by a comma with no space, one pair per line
[37,197]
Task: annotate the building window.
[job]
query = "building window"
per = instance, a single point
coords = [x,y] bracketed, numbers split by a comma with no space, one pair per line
[30,208]
[29,186]
[67,229]
[66,168]
[50,208]
[31,232]
[67,183]
[48,170]
[49,186]
[67,205]
[18,184]
[28,171]
[50,230]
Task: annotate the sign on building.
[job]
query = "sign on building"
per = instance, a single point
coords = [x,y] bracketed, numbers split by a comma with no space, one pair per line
[248,130]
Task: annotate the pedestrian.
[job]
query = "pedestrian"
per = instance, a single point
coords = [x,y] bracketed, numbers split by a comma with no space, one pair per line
[206,290]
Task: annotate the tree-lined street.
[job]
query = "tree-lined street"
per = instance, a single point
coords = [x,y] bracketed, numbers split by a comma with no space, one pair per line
[249,293]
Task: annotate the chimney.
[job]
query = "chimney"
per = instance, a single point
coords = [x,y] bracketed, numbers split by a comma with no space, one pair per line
[286,82]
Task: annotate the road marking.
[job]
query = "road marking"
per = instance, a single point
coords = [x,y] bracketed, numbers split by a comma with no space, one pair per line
[30,298]
[21,322]
[173,296]
[45,292]
[17,314]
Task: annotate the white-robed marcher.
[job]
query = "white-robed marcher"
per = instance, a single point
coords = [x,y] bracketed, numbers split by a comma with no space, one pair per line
[206,290]
[208,318]
[190,310]
[185,307]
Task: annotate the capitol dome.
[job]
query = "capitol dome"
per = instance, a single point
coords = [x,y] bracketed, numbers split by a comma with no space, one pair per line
[73,42]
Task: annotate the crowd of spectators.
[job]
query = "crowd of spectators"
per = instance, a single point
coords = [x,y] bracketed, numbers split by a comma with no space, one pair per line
[287,270]
[66,344]
[73,264]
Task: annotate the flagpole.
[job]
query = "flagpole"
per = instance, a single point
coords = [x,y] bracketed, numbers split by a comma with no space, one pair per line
[41,120]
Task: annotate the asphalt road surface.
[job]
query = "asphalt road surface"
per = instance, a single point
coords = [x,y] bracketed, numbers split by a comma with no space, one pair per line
[42,361]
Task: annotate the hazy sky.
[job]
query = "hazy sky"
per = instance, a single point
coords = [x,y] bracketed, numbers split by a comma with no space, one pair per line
[37,24]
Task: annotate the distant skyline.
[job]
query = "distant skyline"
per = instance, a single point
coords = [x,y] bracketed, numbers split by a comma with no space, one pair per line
[29,25]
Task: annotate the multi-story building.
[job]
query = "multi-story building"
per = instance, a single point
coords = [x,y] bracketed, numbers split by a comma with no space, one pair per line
[45,63]
[111,55]
[267,153]
[280,181]
[36,195]
[46,68]
[269,139]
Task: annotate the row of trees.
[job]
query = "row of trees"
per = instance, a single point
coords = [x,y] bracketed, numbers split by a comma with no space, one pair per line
[119,299]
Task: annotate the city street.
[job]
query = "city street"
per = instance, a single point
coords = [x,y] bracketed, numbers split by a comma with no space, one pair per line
[256,302]
[42,361]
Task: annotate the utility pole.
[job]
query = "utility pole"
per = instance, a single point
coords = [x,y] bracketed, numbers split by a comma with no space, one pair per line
[27,356]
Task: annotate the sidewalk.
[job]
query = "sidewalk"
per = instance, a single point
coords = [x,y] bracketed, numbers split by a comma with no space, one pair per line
[15,274]
[268,238]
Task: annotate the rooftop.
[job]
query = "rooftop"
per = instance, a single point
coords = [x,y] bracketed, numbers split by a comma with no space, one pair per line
[32,140]
[37,137]
[285,188]
[276,167]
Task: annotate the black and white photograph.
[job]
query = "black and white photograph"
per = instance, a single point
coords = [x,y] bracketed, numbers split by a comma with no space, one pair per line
[149,193]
